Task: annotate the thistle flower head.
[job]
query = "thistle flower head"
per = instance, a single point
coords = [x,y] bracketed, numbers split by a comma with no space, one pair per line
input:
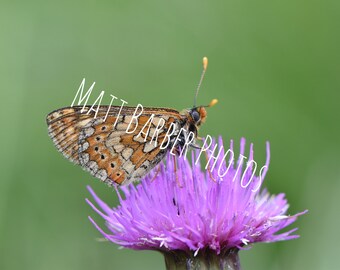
[188,208]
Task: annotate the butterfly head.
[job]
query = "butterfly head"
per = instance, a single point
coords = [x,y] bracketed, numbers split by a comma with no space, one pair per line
[199,114]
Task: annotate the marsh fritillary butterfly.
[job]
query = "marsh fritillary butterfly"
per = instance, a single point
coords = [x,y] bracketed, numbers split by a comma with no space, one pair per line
[101,145]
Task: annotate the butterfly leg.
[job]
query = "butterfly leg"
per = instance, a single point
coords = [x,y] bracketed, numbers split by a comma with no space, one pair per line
[157,172]
[196,146]
[209,170]
[206,156]
[176,175]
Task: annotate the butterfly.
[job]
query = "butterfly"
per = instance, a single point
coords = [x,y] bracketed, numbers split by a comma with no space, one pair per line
[100,144]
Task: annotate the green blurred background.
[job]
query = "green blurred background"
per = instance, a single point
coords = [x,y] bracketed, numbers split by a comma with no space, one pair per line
[273,65]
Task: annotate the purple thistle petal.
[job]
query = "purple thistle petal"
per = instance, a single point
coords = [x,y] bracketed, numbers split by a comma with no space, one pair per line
[200,213]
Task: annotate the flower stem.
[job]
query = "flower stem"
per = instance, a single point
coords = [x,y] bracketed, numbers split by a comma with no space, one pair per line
[204,260]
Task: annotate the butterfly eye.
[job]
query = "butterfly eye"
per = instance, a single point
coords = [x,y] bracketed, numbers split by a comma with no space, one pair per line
[195,115]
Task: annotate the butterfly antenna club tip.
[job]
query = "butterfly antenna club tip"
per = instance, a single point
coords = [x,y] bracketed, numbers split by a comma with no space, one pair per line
[213,102]
[205,66]
[205,63]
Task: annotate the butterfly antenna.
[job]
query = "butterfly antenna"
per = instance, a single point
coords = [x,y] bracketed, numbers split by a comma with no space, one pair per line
[205,65]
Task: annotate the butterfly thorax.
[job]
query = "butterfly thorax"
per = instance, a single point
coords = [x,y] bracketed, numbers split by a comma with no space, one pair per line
[193,118]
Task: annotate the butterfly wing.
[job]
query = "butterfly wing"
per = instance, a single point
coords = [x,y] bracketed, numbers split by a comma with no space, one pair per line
[105,148]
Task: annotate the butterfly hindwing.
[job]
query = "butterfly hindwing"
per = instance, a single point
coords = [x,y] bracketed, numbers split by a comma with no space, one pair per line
[105,148]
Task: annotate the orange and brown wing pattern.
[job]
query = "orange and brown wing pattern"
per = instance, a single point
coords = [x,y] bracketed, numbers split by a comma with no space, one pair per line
[64,126]
[105,148]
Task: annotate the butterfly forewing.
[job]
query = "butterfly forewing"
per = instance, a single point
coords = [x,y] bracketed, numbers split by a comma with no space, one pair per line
[105,148]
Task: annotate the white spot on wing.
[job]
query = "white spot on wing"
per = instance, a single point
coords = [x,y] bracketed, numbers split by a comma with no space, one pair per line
[127,152]
[84,122]
[84,146]
[128,166]
[155,121]
[127,119]
[149,147]
[138,139]
[151,132]
[101,174]
[88,131]
[118,148]
[92,167]
[121,126]
[84,158]
[114,138]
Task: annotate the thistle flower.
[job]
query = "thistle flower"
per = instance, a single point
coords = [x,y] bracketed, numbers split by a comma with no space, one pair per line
[194,217]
